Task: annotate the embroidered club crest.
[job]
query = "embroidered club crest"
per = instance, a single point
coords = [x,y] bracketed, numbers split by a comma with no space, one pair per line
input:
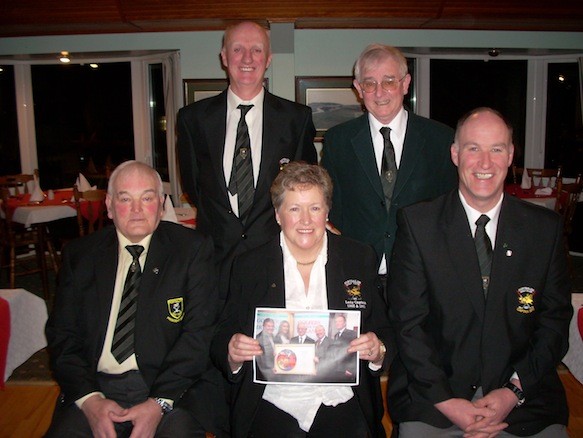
[353,288]
[525,299]
[175,309]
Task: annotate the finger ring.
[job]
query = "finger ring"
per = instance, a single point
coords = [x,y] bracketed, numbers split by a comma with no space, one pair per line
[370,352]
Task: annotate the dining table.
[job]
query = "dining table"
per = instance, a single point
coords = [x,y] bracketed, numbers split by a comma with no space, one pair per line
[542,196]
[574,357]
[23,316]
[28,213]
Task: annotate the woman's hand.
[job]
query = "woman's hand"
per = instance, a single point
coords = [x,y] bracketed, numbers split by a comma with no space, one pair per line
[371,348]
[242,348]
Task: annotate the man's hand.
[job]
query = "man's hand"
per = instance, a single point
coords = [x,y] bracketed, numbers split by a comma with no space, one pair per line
[501,401]
[98,411]
[242,348]
[463,414]
[145,417]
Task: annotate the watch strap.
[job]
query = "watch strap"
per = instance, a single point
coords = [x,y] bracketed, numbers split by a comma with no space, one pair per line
[517,392]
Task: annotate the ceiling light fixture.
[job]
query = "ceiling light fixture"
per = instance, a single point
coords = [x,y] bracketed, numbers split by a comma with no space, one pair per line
[93,65]
[64,57]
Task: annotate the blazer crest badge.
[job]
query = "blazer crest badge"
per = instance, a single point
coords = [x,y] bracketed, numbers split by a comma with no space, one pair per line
[175,309]
[354,300]
[525,299]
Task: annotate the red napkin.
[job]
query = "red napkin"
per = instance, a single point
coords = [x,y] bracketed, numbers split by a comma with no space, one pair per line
[4,337]
[580,322]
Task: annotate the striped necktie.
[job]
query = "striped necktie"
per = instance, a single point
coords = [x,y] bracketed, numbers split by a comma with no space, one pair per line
[122,345]
[241,181]
[484,250]
[388,166]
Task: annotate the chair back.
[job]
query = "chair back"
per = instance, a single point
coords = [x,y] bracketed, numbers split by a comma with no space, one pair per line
[18,183]
[91,210]
[545,177]
[567,198]
[517,174]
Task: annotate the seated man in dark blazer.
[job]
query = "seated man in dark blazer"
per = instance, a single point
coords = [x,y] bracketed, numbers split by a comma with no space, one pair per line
[479,296]
[133,319]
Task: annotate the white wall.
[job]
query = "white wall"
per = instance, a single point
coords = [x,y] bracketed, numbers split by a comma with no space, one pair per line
[316,53]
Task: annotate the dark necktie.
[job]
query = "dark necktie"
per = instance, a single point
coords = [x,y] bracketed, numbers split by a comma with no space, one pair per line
[484,250]
[241,182]
[122,345]
[388,166]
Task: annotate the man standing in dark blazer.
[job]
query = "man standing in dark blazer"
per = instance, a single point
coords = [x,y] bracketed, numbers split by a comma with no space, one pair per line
[365,202]
[279,131]
[302,338]
[479,296]
[131,327]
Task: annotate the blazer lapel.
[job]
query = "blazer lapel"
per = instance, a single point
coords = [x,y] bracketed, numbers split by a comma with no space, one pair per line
[274,294]
[509,238]
[335,277]
[462,251]
[270,142]
[413,148]
[364,150]
[158,253]
[105,273]
[216,117]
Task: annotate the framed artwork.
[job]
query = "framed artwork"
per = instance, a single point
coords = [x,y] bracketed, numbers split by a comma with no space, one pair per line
[333,100]
[198,89]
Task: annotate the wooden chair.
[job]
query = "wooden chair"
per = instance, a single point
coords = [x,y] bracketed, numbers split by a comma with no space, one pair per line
[567,198]
[544,177]
[91,211]
[17,241]
[18,183]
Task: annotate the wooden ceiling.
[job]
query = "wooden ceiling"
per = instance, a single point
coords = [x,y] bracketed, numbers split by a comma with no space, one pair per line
[64,17]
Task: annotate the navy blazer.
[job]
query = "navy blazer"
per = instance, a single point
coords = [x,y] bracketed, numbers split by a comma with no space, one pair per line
[172,349]
[358,204]
[288,134]
[451,340]
[258,281]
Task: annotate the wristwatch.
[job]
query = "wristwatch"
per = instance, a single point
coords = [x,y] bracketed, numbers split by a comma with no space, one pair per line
[164,405]
[517,392]
[382,349]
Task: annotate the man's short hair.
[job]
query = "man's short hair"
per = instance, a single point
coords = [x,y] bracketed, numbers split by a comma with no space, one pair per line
[374,53]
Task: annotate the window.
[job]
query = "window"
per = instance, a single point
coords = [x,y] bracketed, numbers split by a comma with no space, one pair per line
[9,143]
[458,86]
[564,127]
[83,120]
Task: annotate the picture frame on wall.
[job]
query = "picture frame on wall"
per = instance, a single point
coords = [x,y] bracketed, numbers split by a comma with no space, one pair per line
[333,100]
[198,89]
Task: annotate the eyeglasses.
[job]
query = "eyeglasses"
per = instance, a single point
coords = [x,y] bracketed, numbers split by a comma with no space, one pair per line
[370,85]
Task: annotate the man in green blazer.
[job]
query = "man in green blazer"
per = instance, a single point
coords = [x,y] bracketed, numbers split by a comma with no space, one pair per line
[354,151]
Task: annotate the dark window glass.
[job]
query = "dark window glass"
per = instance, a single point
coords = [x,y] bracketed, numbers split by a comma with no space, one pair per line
[83,119]
[564,133]
[410,99]
[9,143]
[158,121]
[458,86]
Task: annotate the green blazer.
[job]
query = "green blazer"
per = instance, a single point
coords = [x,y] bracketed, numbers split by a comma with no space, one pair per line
[358,205]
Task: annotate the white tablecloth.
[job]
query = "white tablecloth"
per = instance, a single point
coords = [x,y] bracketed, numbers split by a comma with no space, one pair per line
[28,316]
[37,214]
[574,357]
[543,202]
